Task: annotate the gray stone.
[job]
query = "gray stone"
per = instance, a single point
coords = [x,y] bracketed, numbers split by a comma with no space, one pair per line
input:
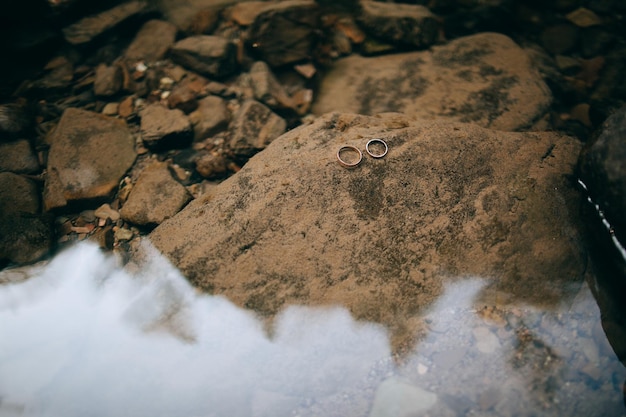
[155,197]
[283,33]
[89,154]
[211,117]
[484,79]
[604,173]
[108,81]
[405,24]
[398,398]
[152,41]
[208,55]
[25,234]
[448,200]
[18,157]
[88,28]
[162,128]
[254,126]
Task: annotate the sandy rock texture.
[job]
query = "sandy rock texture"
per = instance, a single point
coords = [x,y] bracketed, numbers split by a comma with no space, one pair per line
[485,79]
[448,200]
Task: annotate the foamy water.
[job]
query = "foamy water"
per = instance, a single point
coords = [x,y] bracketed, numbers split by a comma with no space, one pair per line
[85,338]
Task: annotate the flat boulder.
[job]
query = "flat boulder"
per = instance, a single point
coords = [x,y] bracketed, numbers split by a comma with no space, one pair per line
[448,200]
[284,32]
[89,154]
[484,79]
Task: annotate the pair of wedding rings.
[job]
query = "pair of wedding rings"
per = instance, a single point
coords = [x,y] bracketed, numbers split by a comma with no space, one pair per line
[358,157]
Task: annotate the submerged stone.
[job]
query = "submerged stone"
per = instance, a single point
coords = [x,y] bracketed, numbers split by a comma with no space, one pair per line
[604,173]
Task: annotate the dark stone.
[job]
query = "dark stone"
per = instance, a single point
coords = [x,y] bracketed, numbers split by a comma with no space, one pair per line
[604,172]
[284,33]
[560,39]
[406,24]
[25,234]
[595,41]
[18,157]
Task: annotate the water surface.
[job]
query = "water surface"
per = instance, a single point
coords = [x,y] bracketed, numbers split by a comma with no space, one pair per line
[83,337]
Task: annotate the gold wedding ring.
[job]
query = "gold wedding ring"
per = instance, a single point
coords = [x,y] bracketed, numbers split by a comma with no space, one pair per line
[376,155]
[348,149]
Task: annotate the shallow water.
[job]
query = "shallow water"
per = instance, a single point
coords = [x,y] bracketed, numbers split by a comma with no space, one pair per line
[83,337]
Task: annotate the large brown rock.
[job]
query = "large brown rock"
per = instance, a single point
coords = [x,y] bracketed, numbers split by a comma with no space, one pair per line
[18,157]
[89,154]
[485,79]
[604,172]
[448,200]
